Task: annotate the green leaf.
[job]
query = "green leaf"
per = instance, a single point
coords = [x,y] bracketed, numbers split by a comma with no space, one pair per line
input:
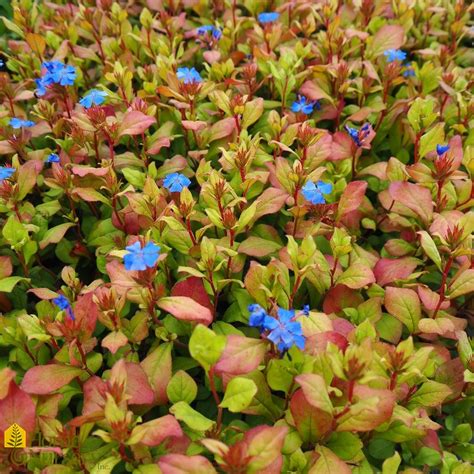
[31,326]
[390,465]
[431,138]
[14,231]
[380,448]
[357,276]
[404,304]
[430,394]
[206,346]
[181,387]
[345,445]
[428,245]
[188,415]
[328,463]
[55,234]
[427,456]
[463,284]
[315,391]
[239,394]
[7,284]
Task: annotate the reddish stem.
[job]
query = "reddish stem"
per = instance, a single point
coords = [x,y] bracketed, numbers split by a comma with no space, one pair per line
[442,290]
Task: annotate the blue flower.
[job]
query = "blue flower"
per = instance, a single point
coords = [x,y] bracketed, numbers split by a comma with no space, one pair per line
[216,32]
[40,86]
[358,136]
[2,63]
[6,173]
[20,123]
[395,55]
[306,310]
[409,72]
[284,332]
[52,158]
[93,97]
[305,106]
[257,316]
[188,75]
[64,76]
[268,17]
[63,304]
[314,192]
[175,182]
[442,149]
[141,258]
[58,73]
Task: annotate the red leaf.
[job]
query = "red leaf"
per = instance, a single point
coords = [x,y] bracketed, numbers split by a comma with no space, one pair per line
[17,407]
[182,464]
[342,146]
[241,355]
[135,123]
[154,432]
[5,267]
[388,37]
[270,202]
[341,297]
[44,379]
[387,270]
[157,366]
[311,422]
[351,198]
[186,309]
[193,287]
[416,197]
[138,387]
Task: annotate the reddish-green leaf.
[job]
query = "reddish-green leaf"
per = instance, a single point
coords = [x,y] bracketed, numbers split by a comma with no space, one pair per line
[44,379]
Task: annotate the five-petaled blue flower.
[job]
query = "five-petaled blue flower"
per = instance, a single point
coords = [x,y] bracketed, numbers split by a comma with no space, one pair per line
[304,105]
[16,122]
[268,17]
[442,149]
[395,55]
[284,332]
[53,158]
[175,182]
[64,305]
[211,29]
[93,97]
[6,173]
[188,75]
[140,258]
[314,192]
[257,316]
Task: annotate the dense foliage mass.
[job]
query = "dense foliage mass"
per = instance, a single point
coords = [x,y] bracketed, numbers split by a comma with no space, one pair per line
[236,236]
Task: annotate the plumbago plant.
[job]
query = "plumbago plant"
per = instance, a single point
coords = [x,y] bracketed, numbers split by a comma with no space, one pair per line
[236,236]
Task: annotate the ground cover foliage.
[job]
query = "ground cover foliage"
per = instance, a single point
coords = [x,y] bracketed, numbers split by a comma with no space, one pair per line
[236,236]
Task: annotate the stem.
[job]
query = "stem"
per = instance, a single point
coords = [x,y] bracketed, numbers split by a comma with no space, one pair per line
[190,231]
[83,358]
[442,290]
[295,290]
[333,271]
[216,399]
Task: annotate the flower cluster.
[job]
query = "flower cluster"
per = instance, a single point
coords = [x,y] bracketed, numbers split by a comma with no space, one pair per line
[358,136]
[282,330]
[216,33]
[55,72]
